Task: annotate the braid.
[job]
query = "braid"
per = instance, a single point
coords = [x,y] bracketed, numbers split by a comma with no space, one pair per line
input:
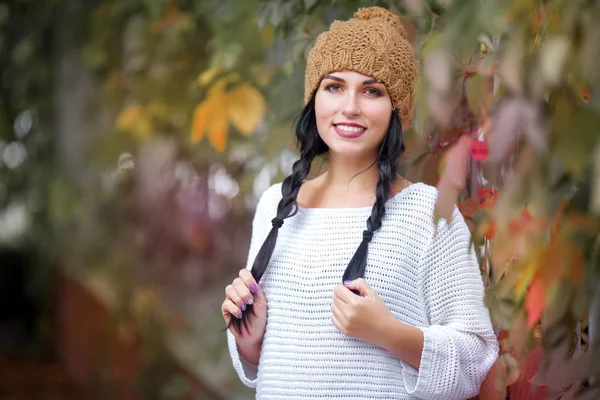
[389,154]
[311,145]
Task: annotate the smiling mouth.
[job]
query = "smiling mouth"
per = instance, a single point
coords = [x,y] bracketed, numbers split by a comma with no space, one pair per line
[349,131]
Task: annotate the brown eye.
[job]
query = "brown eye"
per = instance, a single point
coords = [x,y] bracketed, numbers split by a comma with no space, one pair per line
[373,92]
[333,88]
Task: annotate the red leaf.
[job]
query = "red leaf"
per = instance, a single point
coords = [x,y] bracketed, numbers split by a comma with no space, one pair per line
[479,150]
[487,197]
[490,230]
[536,298]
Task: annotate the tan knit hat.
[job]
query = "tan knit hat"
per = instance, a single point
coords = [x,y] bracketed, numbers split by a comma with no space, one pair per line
[372,43]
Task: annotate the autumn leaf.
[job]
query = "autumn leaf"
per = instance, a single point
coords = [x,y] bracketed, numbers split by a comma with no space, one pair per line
[494,384]
[536,300]
[454,177]
[217,131]
[201,118]
[135,120]
[208,75]
[128,117]
[246,108]
[479,150]
[487,197]
[478,93]
[530,270]
[490,230]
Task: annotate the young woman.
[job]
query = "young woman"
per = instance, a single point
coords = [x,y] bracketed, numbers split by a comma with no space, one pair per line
[351,291]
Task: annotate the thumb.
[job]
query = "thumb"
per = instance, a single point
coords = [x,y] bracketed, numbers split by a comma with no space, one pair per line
[359,286]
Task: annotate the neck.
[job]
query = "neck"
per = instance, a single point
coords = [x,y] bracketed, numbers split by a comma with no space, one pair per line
[348,174]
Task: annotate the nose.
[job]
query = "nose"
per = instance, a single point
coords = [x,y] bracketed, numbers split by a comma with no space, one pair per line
[351,107]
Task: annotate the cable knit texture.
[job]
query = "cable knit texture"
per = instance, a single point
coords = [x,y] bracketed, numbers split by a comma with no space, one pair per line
[372,43]
[427,277]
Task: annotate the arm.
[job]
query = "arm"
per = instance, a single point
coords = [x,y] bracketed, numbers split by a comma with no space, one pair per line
[245,355]
[459,345]
[403,341]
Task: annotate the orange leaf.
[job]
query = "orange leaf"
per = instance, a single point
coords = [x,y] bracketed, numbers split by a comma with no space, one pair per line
[201,119]
[536,299]
[490,230]
[128,117]
[487,197]
[217,130]
[468,208]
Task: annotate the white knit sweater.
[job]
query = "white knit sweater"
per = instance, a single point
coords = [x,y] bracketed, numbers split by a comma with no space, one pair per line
[427,278]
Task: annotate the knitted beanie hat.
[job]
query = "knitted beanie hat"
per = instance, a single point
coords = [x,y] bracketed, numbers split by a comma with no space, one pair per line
[372,43]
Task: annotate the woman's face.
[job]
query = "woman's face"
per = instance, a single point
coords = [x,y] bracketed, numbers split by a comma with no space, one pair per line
[353,112]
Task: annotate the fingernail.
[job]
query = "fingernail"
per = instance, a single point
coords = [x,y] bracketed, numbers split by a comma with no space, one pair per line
[250,301]
[244,306]
[346,283]
[239,316]
[253,289]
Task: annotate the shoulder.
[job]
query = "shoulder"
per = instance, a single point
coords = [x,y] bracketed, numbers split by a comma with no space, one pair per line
[270,198]
[418,198]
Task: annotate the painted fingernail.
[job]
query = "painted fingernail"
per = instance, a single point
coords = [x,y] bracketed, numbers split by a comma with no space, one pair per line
[240,316]
[250,301]
[346,283]
[244,306]
[253,289]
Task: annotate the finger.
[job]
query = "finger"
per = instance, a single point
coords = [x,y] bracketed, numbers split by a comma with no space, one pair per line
[249,280]
[229,307]
[361,286]
[243,291]
[339,306]
[344,294]
[235,297]
[336,322]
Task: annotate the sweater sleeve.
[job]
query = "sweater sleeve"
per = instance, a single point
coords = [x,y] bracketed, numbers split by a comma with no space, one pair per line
[260,229]
[460,346]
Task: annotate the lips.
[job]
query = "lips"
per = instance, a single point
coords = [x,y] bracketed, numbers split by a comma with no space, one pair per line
[349,130]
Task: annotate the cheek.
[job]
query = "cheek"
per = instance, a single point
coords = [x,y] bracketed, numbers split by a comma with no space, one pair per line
[324,110]
[380,119]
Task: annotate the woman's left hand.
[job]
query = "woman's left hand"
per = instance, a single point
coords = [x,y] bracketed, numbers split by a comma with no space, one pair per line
[362,317]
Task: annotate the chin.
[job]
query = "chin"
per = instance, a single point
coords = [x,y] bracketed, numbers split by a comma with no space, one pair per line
[348,149]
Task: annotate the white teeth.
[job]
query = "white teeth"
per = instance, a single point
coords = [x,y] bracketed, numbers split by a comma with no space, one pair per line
[347,128]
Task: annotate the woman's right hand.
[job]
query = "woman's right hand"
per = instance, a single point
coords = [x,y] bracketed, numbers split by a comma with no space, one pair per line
[242,292]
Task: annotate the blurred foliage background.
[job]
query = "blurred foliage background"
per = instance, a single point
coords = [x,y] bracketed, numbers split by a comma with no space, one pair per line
[136,137]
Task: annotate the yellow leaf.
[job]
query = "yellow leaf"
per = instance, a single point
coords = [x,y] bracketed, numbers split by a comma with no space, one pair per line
[201,119]
[158,110]
[218,87]
[529,272]
[128,117]
[207,76]
[246,108]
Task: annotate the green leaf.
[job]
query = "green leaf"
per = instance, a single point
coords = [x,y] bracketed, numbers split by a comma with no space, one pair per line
[475,88]
[502,309]
[309,3]
[576,129]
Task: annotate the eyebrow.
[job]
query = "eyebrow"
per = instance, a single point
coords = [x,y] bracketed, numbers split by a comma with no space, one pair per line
[338,79]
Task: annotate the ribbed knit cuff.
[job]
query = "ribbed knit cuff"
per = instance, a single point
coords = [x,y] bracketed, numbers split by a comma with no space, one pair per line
[417,381]
[246,371]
